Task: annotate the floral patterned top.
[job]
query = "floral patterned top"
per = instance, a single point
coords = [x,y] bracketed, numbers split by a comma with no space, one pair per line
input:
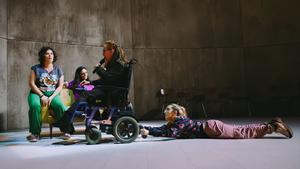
[182,127]
[47,81]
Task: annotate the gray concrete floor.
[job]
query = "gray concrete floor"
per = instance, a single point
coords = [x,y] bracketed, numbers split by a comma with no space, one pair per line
[271,152]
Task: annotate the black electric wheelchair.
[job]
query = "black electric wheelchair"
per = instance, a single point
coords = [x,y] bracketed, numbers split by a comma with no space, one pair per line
[114,114]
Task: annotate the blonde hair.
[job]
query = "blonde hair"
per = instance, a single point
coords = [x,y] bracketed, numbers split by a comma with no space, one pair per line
[181,111]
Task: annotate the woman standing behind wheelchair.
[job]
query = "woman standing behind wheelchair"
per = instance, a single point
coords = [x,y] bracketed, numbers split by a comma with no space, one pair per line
[45,81]
[110,70]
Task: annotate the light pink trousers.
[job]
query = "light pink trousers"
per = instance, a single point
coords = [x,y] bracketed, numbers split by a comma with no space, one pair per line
[218,129]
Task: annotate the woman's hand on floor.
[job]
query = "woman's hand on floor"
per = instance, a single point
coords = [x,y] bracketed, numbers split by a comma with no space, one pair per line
[144,132]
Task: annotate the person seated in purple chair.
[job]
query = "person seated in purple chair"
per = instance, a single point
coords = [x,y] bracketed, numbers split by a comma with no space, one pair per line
[180,126]
[80,83]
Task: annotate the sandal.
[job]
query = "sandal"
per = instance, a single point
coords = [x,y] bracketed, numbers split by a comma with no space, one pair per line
[32,138]
[66,136]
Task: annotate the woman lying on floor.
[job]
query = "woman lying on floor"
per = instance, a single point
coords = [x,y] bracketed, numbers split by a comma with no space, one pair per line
[180,126]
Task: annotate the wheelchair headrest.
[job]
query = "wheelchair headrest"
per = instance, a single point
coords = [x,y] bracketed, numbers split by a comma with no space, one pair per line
[132,61]
[128,72]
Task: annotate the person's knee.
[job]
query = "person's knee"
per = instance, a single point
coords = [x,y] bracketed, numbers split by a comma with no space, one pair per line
[58,107]
[56,102]
[35,106]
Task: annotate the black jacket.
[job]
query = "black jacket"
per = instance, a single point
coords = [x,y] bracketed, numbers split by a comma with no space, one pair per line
[113,74]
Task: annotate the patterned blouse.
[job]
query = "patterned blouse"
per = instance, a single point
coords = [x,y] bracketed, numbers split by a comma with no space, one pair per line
[182,127]
[47,81]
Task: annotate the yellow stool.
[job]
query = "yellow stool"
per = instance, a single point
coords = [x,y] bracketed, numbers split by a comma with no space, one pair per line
[67,98]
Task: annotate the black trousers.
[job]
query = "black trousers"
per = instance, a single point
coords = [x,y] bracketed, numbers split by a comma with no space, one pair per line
[66,123]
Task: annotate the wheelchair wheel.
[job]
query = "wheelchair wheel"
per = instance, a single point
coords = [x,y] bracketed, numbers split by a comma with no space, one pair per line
[126,129]
[93,135]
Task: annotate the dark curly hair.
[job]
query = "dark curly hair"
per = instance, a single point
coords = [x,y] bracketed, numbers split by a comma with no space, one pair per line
[42,53]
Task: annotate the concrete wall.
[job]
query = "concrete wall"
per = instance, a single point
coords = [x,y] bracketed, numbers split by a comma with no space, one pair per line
[271,39]
[75,29]
[241,47]
[190,45]
[3,65]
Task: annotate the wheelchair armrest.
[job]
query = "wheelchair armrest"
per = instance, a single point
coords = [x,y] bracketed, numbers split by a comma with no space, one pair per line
[111,87]
[80,89]
[82,104]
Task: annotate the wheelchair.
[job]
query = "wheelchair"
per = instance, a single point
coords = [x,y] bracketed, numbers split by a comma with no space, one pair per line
[114,114]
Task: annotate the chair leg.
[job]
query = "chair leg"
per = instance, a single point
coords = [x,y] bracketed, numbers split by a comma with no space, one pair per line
[51,127]
[250,109]
[204,110]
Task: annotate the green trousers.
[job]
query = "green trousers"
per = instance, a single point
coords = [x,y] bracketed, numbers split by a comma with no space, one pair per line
[35,117]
